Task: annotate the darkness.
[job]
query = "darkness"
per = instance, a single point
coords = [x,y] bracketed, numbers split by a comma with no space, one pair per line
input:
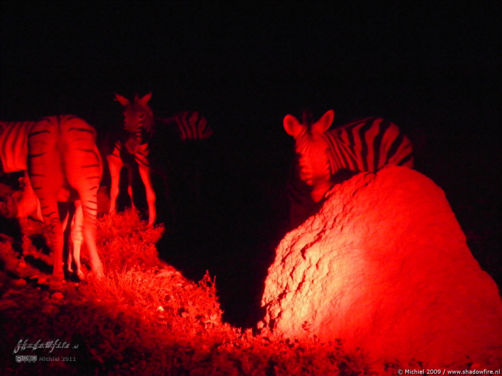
[432,69]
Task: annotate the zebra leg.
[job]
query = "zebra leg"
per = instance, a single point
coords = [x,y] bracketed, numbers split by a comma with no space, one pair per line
[89,206]
[144,172]
[84,168]
[129,186]
[64,225]
[76,241]
[45,174]
[115,165]
[53,229]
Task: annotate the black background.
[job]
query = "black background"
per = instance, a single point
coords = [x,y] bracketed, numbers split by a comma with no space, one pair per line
[434,69]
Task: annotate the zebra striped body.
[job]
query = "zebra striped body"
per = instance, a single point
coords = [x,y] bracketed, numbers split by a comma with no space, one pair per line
[190,125]
[134,145]
[24,205]
[365,145]
[63,163]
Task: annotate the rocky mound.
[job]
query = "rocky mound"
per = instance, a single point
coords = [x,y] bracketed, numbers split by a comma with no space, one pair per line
[385,266]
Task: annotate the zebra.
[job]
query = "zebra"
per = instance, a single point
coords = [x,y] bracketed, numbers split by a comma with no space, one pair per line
[135,144]
[323,155]
[24,205]
[61,163]
[190,125]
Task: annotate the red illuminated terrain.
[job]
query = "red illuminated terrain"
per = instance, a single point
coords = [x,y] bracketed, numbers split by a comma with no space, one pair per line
[145,318]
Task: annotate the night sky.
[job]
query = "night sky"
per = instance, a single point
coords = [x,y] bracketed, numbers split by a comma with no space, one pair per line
[432,69]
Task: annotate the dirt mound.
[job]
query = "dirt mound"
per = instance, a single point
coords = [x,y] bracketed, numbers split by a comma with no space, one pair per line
[385,266]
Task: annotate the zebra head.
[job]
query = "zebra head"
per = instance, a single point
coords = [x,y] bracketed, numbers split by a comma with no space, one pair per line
[313,151]
[138,116]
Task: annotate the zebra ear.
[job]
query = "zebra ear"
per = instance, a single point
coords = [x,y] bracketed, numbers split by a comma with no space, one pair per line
[323,124]
[144,100]
[292,126]
[122,100]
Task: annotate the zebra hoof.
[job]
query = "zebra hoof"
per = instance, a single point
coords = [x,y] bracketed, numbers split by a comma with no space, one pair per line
[80,274]
[96,273]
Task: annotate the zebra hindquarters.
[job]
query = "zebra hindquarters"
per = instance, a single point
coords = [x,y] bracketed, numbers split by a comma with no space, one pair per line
[46,175]
[83,168]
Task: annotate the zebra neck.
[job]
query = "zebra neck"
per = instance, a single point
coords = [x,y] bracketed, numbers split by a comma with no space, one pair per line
[342,154]
[335,162]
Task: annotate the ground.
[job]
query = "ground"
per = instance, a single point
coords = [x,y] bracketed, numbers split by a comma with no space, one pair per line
[143,317]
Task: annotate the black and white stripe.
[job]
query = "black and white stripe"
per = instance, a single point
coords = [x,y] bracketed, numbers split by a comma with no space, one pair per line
[14,145]
[190,125]
[134,138]
[368,145]
[141,129]
[133,145]
[323,155]
[62,162]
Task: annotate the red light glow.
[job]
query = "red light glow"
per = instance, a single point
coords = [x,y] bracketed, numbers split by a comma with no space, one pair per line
[385,267]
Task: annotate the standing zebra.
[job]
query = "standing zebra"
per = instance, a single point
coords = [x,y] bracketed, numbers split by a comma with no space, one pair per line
[62,162]
[135,144]
[364,145]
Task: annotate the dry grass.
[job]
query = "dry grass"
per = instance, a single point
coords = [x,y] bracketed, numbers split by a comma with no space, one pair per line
[145,318]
